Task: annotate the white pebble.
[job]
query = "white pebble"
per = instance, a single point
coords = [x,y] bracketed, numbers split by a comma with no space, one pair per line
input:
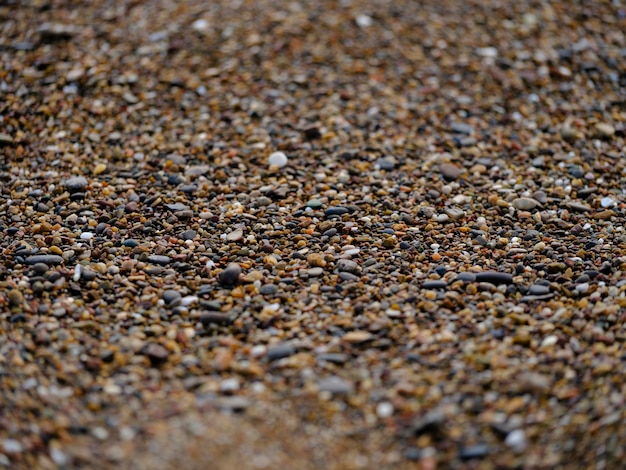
[258,350]
[363,21]
[58,457]
[549,341]
[516,440]
[278,159]
[188,300]
[607,202]
[77,272]
[12,446]
[86,235]
[200,25]
[583,287]
[229,385]
[384,409]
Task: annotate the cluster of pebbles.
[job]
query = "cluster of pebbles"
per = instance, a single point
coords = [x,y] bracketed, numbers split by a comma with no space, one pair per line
[376,233]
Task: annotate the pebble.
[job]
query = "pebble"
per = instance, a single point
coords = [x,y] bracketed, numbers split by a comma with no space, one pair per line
[450,171]
[172,298]
[156,353]
[494,277]
[516,440]
[476,451]
[337,210]
[76,183]
[16,299]
[538,289]
[230,275]
[278,159]
[525,203]
[604,130]
[357,337]
[336,386]
[347,265]
[161,260]
[268,289]
[280,351]
[48,260]
[466,277]
[435,284]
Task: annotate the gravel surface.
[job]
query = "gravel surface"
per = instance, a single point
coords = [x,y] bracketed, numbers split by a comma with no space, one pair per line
[353,234]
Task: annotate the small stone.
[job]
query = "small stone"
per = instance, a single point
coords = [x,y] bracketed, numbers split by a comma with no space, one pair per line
[15,297]
[450,172]
[461,128]
[316,259]
[188,235]
[5,139]
[466,276]
[516,440]
[577,207]
[435,284]
[280,351]
[49,260]
[336,386]
[336,210]
[569,134]
[278,159]
[156,353]
[268,289]
[235,235]
[161,260]
[315,272]
[494,277]
[385,163]
[314,204]
[172,297]
[230,275]
[347,265]
[384,410]
[99,169]
[607,202]
[525,203]
[76,183]
[538,289]
[473,452]
[357,337]
[217,318]
[179,206]
[604,130]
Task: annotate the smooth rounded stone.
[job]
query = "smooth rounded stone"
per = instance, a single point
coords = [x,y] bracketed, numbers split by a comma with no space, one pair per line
[88,274]
[280,351]
[435,284]
[161,260]
[466,276]
[516,440]
[334,358]
[450,171]
[607,202]
[461,128]
[347,265]
[385,164]
[15,298]
[570,134]
[188,188]
[215,318]
[454,213]
[582,288]
[172,297]
[235,235]
[278,159]
[349,277]
[314,204]
[604,130]
[40,268]
[540,196]
[525,203]
[538,289]
[155,352]
[76,183]
[577,206]
[179,206]
[268,289]
[230,275]
[473,452]
[494,277]
[357,337]
[336,386]
[49,260]
[315,272]
[188,235]
[131,243]
[337,210]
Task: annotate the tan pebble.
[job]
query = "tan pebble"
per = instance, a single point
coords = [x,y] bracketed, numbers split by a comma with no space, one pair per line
[15,298]
[355,337]
[99,169]
[316,259]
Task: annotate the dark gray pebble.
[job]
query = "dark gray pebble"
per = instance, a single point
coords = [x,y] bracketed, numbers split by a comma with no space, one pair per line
[435,284]
[76,183]
[337,210]
[280,351]
[494,277]
[347,265]
[268,289]
[49,260]
[230,275]
[172,297]
[188,235]
[334,358]
[217,318]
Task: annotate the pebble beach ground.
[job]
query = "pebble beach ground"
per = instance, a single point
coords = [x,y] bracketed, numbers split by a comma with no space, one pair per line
[335,234]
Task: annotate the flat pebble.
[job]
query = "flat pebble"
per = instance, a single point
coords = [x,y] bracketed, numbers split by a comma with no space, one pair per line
[230,275]
[49,260]
[494,277]
[278,159]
